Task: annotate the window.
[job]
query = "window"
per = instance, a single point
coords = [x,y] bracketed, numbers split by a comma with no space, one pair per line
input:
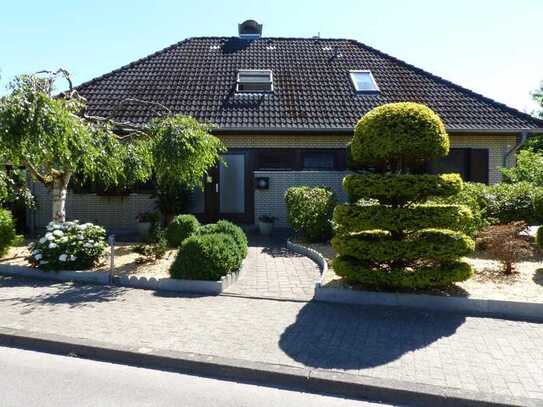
[471,163]
[255,81]
[319,160]
[276,160]
[364,81]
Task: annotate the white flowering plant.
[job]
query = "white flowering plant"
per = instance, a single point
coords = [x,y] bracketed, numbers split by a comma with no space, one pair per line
[68,246]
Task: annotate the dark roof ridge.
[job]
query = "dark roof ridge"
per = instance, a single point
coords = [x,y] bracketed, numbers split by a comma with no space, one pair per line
[479,96]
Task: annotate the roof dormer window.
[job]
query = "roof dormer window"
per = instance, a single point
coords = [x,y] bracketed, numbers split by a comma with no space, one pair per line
[255,81]
[364,81]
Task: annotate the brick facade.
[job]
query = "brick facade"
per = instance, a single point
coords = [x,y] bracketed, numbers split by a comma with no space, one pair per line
[118,213]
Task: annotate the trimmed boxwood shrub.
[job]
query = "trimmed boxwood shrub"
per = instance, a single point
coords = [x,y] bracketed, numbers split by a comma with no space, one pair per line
[401,189]
[423,276]
[310,211]
[206,257]
[353,218]
[181,227]
[234,231]
[7,231]
[436,244]
[399,133]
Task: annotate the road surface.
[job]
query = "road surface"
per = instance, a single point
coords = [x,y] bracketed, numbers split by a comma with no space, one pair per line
[39,379]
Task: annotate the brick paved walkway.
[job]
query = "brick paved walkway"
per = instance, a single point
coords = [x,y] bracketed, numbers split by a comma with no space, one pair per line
[483,354]
[270,270]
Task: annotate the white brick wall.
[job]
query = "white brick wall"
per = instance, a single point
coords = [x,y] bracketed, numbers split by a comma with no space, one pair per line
[272,201]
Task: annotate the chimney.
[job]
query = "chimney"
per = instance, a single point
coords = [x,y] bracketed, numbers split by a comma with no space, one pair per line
[250,30]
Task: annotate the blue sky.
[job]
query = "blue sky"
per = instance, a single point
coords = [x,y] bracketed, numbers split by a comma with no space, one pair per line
[492,47]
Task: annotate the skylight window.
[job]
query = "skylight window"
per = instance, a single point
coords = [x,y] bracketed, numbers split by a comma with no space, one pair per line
[255,81]
[364,81]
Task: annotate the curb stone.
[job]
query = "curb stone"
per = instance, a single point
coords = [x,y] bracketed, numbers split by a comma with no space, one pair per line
[294,378]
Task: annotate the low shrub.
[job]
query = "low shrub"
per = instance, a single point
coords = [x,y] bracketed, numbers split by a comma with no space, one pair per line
[206,257]
[234,231]
[152,251]
[396,189]
[515,202]
[68,246]
[434,244]
[310,211]
[181,227]
[7,231]
[506,245]
[354,218]
[423,277]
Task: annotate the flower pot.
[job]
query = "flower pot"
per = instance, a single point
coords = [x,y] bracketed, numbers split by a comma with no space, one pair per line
[265,228]
[143,228]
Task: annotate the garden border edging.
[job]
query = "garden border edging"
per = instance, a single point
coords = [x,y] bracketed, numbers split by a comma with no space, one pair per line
[105,278]
[484,307]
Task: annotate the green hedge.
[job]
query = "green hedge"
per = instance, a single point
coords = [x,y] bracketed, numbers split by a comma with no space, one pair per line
[206,257]
[181,227]
[435,244]
[425,277]
[310,211]
[515,202]
[353,218]
[7,231]
[399,133]
[234,231]
[401,189]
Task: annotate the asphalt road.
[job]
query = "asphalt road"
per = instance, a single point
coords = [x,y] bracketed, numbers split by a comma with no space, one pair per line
[38,379]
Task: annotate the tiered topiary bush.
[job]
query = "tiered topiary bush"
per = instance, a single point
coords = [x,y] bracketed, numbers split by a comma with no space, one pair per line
[390,236]
[7,231]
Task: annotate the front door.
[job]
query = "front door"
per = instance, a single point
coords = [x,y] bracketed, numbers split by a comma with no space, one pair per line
[227,189]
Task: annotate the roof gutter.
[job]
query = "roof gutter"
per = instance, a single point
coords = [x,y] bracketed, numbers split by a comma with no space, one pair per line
[523,138]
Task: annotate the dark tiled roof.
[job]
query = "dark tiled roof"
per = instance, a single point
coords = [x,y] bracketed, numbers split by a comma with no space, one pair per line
[312,86]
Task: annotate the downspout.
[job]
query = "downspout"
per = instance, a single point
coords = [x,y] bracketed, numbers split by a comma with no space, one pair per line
[523,138]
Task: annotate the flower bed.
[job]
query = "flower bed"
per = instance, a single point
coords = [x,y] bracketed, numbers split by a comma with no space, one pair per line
[488,282]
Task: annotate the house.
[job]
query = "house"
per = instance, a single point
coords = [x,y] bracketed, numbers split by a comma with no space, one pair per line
[285,108]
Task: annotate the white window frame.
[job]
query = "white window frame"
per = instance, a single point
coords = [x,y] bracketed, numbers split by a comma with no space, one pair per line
[242,71]
[352,74]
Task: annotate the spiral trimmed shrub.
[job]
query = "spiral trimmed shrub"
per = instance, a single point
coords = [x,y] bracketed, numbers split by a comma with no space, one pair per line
[206,257]
[399,133]
[390,235]
[7,231]
[234,231]
[181,227]
[310,211]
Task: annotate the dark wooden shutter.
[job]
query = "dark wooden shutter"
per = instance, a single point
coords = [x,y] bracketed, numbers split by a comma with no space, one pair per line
[478,165]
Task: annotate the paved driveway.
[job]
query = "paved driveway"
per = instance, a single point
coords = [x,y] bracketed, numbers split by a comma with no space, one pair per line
[437,348]
[270,270]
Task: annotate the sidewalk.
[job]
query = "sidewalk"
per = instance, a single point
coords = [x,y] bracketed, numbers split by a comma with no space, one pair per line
[442,349]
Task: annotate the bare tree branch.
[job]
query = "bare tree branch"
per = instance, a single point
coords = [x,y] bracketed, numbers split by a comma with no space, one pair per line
[52,76]
[135,100]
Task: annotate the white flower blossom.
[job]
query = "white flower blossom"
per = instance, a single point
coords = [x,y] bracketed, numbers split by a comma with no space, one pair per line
[58,233]
[43,240]
[53,245]
[73,258]
[63,257]
[38,256]
[44,262]
[87,245]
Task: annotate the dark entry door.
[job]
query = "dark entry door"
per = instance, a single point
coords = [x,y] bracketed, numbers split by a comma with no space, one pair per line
[228,189]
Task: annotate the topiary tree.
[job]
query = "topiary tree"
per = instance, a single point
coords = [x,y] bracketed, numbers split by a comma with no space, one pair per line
[390,236]
[181,227]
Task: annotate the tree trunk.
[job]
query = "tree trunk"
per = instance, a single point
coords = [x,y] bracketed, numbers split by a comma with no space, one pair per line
[60,192]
